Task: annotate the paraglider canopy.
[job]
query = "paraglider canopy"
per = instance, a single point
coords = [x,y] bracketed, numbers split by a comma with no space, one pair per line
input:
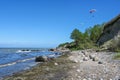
[92,10]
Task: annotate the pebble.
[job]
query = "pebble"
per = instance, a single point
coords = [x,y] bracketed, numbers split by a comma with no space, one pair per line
[101,79]
[79,77]
[89,79]
[78,70]
[47,69]
[75,61]
[84,79]
[56,64]
[74,66]
[85,59]
[81,61]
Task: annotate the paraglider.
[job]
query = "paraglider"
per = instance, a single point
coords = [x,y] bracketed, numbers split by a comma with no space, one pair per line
[92,11]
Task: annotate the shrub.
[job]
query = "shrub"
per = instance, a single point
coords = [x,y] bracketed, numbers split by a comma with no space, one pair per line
[117,56]
[115,45]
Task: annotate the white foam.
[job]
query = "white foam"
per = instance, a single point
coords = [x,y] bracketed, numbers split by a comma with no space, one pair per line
[21,51]
[13,63]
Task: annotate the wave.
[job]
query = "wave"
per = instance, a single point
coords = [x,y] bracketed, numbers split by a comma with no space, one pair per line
[23,51]
[13,63]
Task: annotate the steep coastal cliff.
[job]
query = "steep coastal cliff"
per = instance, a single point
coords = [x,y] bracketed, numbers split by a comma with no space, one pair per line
[110,32]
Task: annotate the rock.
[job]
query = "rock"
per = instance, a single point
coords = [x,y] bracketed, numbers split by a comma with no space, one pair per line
[51,58]
[100,62]
[75,61]
[95,59]
[74,67]
[47,69]
[78,70]
[56,64]
[91,56]
[85,53]
[84,79]
[89,79]
[51,49]
[41,59]
[85,59]
[79,77]
[81,61]
[101,79]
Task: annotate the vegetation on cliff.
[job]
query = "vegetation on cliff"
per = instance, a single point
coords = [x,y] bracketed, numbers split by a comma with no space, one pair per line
[115,45]
[105,36]
[84,40]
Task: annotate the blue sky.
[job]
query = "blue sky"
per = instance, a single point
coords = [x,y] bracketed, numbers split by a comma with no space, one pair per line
[47,23]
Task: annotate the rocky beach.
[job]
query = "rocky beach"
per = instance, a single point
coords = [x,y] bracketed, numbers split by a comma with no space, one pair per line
[75,65]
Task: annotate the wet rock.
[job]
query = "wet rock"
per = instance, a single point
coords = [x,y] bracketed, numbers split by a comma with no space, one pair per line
[52,49]
[41,59]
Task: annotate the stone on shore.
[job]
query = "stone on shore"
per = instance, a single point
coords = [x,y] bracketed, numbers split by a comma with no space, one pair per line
[95,59]
[85,59]
[41,59]
[91,56]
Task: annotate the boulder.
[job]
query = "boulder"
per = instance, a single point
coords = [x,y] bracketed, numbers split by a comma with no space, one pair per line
[100,62]
[85,59]
[85,53]
[95,59]
[91,56]
[51,49]
[41,59]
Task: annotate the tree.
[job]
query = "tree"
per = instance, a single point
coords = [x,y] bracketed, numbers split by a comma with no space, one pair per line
[76,35]
[94,32]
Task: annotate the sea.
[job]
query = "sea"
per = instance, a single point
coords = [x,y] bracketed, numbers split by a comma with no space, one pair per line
[13,60]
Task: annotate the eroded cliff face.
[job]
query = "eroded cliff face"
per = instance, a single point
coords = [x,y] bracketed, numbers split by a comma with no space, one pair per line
[111,31]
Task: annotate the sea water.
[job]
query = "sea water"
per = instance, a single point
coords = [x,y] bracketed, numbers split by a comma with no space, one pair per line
[12,61]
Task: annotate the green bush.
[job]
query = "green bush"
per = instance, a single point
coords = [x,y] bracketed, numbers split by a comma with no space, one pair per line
[115,45]
[117,56]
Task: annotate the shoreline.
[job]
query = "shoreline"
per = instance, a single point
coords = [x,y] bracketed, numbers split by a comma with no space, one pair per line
[74,65]
[44,67]
[23,64]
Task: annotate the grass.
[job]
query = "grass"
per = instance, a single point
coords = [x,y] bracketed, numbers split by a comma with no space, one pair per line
[117,56]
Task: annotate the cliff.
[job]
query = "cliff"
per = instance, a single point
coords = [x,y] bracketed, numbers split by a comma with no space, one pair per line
[111,31]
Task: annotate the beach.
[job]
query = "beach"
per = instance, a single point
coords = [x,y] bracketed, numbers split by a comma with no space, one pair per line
[75,65]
